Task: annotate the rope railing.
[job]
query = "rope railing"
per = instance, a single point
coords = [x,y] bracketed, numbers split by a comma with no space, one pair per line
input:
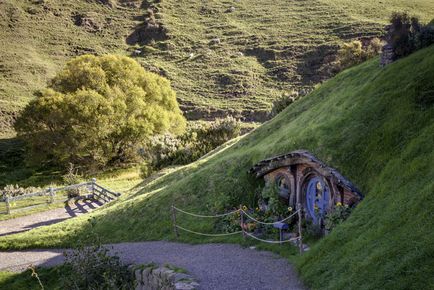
[242,231]
[270,223]
[205,216]
[209,235]
[268,241]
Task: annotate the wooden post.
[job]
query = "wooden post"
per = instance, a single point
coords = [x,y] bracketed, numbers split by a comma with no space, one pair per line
[51,192]
[175,229]
[92,186]
[8,206]
[300,240]
[242,221]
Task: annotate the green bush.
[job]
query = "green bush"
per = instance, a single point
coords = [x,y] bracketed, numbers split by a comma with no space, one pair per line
[72,177]
[97,110]
[94,267]
[282,102]
[11,190]
[337,216]
[198,139]
[146,169]
[353,53]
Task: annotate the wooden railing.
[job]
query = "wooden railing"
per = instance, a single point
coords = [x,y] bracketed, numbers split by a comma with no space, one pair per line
[96,191]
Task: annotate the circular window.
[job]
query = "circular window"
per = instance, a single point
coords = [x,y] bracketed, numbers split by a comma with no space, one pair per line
[284,185]
[317,198]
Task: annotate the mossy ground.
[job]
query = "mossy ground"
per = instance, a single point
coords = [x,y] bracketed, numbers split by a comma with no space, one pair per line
[369,123]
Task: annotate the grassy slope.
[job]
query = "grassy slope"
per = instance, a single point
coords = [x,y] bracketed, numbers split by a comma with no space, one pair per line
[283,44]
[365,122]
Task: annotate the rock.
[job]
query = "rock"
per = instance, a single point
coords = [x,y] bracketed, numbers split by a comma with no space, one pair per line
[215,41]
[109,3]
[138,274]
[231,9]
[184,286]
[181,276]
[162,278]
[87,22]
[130,3]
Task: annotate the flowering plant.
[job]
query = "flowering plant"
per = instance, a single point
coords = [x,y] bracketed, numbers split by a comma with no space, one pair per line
[337,216]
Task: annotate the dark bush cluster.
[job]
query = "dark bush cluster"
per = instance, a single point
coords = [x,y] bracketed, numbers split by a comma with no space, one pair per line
[199,139]
[406,34]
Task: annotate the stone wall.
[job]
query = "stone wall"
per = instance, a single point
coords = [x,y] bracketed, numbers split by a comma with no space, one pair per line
[151,277]
[387,55]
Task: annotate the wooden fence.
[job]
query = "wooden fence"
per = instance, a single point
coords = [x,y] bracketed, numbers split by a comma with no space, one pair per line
[95,190]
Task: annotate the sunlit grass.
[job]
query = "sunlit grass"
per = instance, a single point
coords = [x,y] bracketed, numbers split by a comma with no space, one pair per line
[366,123]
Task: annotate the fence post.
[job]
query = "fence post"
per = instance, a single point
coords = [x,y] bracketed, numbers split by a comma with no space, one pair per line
[51,192]
[300,237]
[92,186]
[8,206]
[175,229]
[242,221]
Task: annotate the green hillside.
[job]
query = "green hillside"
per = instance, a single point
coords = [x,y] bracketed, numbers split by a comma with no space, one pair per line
[374,125]
[221,60]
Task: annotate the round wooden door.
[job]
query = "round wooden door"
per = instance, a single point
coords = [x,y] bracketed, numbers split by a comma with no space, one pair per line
[317,198]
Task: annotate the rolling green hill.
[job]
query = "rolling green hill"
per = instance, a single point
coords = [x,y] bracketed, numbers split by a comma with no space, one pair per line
[374,125]
[223,57]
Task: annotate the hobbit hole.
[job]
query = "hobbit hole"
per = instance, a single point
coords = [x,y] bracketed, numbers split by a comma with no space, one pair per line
[302,179]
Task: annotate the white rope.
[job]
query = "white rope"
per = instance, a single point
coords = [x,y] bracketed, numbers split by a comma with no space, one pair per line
[206,216]
[208,235]
[264,223]
[271,242]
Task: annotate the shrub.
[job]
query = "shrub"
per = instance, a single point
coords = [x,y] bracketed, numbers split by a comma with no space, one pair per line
[11,190]
[217,133]
[97,110]
[282,102]
[146,169]
[72,177]
[270,199]
[353,53]
[93,267]
[337,216]
[199,139]
[425,37]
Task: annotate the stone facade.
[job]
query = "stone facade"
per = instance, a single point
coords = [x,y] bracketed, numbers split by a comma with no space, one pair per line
[162,278]
[387,55]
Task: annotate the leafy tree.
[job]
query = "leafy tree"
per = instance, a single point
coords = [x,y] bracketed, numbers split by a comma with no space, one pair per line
[96,110]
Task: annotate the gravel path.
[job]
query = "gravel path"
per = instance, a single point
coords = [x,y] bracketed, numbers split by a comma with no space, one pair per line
[25,223]
[216,266]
